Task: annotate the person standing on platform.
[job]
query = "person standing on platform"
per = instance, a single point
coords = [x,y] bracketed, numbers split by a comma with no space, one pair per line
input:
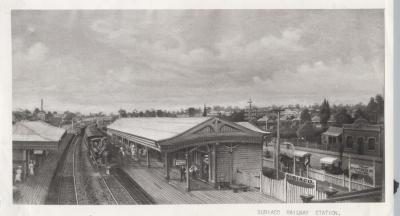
[193,171]
[183,173]
[31,167]
[18,174]
[122,153]
[133,152]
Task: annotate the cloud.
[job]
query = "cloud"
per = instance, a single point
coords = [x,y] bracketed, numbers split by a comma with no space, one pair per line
[172,58]
[326,78]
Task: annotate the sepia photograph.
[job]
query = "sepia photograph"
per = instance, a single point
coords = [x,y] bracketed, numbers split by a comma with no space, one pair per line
[198,106]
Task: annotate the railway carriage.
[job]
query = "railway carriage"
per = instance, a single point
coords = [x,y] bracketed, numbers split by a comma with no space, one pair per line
[97,144]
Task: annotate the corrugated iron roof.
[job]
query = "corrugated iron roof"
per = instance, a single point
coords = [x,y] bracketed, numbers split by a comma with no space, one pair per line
[250,127]
[156,128]
[36,131]
[334,131]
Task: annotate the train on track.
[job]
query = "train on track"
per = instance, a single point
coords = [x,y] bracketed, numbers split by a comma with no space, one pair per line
[98,145]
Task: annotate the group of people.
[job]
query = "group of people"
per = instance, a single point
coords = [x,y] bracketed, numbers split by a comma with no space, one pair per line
[193,171]
[141,152]
[19,172]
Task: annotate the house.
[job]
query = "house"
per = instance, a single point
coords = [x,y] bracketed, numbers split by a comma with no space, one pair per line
[363,138]
[332,138]
[316,121]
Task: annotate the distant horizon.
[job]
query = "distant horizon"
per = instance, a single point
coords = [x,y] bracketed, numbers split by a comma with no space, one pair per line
[254,104]
[101,61]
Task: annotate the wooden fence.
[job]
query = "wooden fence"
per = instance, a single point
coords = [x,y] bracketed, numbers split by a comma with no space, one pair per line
[279,189]
[286,192]
[339,180]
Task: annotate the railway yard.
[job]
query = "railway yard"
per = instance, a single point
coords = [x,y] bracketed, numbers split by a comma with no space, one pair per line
[77,181]
[92,167]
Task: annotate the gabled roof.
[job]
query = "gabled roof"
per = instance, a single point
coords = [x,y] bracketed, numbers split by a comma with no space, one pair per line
[316,119]
[263,119]
[250,127]
[38,131]
[334,131]
[156,128]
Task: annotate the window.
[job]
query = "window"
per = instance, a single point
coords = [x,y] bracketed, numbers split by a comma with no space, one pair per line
[349,142]
[371,143]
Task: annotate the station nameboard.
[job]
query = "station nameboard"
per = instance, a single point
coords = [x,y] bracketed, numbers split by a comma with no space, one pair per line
[362,170]
[300,181]
[179,162]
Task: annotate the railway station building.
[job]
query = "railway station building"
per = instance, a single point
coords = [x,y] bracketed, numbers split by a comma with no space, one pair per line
[32,140]
[216,148]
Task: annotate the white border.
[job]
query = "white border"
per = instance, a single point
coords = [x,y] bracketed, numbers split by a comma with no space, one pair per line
[6,206]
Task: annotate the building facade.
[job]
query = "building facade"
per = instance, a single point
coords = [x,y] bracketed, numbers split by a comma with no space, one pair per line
[363,138]
[32,140]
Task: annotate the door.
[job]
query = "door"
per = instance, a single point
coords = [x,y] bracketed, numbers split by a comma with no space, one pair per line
[360,143]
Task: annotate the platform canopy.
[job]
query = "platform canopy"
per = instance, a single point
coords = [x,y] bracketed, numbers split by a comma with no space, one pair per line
[170,134]
[36,135]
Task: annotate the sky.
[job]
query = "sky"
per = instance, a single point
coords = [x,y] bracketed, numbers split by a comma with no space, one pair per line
[104,60]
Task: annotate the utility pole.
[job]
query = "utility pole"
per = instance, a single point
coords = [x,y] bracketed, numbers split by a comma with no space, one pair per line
[277,145]
[250,102]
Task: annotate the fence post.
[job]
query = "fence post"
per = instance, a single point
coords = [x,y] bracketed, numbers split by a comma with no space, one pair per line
[349,173]
[374,176]
[343,180]
[285,189]
[271,185]
[261,188]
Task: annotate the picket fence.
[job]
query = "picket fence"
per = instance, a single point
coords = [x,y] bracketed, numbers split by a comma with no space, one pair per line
[278,189]
[340,180]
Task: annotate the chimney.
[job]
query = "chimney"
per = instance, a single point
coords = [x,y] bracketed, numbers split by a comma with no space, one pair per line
[41,104]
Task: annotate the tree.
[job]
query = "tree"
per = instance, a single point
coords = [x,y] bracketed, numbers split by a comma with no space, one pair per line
[372,110]
[324,112]
[305,116]
[306,130]
[380,104]
[122,113]
[237,116]
[191,111]
[160,113]
[342,117]
[68,116]
[360,114]
[49,114]
[36,111]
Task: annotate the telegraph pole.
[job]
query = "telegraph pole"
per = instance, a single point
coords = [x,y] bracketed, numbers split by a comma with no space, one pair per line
[277,144]
[250,102]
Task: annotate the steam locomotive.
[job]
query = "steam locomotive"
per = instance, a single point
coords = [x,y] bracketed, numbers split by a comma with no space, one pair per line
[98,146]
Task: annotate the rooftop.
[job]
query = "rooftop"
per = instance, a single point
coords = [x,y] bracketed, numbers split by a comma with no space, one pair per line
[156,128]
[250,127]
[36,131]
[334,131]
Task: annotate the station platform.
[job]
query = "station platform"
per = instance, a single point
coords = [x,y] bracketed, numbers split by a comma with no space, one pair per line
[34,189]
[152,180]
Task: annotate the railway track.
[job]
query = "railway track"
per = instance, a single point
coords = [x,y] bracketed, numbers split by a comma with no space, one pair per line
[136,192]
[67,193]
[119,193]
